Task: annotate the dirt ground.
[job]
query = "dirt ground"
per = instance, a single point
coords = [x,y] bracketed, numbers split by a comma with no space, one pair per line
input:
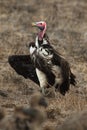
[67,30]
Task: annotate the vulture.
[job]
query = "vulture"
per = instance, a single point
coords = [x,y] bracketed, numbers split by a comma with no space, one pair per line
[44,65]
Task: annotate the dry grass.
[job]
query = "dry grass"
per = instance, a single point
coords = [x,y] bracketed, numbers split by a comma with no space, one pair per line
[75,122]
[67,29]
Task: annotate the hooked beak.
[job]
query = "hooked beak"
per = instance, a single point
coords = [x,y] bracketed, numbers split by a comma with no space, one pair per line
[34,24]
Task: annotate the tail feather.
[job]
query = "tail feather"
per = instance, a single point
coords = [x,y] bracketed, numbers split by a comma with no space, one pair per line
[72,79]
[65,74]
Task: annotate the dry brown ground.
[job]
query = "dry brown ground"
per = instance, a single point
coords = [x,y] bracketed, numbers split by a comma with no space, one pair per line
[67,30]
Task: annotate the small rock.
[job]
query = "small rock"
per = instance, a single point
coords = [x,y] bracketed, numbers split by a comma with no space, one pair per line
[3,93]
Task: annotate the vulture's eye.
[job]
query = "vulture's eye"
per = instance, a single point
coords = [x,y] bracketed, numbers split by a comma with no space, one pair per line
[40,23]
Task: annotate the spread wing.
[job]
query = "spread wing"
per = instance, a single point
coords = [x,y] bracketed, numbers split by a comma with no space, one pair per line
[23,66]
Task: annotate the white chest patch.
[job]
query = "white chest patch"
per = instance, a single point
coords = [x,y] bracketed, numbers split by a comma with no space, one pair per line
[36,42]
[32,50]
[45,41]
[45,53]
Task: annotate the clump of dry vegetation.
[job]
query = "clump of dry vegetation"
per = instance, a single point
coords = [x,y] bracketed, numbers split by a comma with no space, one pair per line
[76,122]
[67,30]
[25,118]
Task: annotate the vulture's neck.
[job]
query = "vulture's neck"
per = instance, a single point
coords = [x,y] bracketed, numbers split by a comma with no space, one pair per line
[39,38]
[41,35]
[44,40]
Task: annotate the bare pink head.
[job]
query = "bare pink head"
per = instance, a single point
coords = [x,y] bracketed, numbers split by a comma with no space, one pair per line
[42,26]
